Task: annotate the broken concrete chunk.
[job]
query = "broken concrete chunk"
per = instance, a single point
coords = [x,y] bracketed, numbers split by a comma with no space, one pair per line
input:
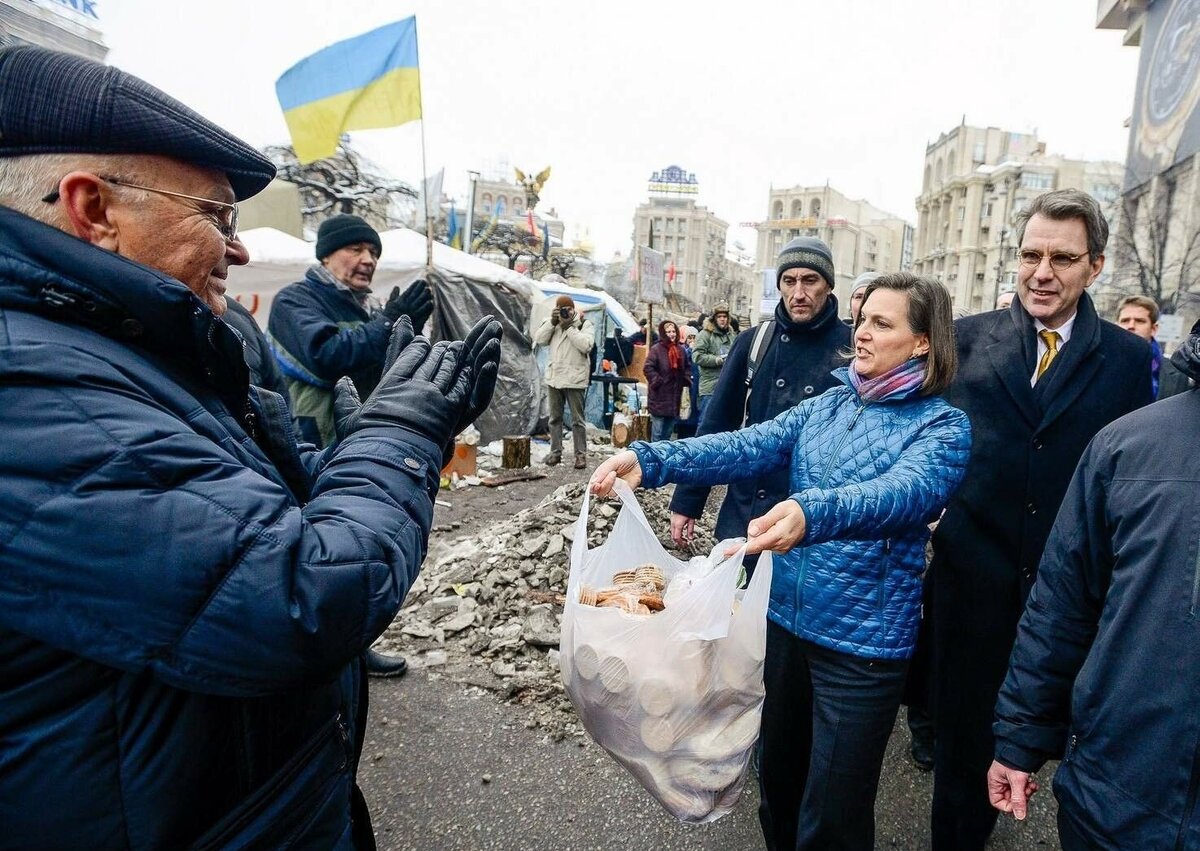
[554,547]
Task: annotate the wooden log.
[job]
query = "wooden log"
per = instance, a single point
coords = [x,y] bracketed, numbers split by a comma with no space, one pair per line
[641,428]
[620,434]
[508,477]
[515,453]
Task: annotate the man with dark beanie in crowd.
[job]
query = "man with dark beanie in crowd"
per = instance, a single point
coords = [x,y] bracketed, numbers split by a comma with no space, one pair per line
[772,367]
[328,326]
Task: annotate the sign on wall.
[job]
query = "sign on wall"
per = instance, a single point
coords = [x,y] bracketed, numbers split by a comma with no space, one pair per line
[1166,121]
[86,8]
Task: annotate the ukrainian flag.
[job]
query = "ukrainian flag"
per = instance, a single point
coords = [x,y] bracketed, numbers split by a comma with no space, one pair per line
[361,83]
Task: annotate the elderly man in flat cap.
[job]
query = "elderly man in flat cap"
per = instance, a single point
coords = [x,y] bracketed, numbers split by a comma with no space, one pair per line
[185,595]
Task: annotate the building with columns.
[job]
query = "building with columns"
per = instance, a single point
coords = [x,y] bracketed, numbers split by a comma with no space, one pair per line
[862,237]
[975,181]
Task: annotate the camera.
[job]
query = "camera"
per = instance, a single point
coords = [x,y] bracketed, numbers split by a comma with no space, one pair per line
[566,312]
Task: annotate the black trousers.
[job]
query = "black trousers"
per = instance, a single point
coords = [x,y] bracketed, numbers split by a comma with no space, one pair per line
[974,628]
[826,723]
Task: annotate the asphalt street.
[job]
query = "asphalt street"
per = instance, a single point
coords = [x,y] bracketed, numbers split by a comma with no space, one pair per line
[448,766]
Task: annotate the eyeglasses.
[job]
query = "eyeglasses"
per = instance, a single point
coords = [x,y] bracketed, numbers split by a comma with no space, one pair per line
[224,217]
[1060,261]
[806,281]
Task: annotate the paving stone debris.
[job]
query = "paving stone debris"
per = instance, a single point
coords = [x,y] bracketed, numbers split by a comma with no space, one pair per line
[487,607]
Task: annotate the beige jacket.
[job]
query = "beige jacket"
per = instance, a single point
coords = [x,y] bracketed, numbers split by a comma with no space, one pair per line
[570,365]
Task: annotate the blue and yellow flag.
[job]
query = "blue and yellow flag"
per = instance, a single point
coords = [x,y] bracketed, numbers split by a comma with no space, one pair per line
[361,83]
[454,236]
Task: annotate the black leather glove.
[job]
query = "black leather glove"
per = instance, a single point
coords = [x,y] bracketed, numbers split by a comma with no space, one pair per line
[482,347]
[416,303]
[345,395]
[426,391]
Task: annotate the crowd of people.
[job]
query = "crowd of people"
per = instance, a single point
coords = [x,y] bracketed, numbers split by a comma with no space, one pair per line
[204,527]
[847,445]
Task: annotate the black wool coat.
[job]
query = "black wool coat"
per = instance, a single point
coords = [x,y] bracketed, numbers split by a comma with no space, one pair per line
[1026,443]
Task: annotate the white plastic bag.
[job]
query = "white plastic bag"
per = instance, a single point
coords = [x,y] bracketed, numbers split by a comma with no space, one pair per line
[676,697]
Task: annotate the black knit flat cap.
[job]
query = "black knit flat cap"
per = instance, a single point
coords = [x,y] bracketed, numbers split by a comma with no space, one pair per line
[56,103]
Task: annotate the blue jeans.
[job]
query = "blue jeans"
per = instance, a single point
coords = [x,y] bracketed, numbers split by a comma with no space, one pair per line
[826,723]
[661,427]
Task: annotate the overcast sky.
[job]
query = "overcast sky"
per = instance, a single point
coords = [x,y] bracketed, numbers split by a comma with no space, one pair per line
[757,94]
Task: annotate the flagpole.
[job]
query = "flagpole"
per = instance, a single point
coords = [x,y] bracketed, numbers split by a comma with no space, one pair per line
[424,178]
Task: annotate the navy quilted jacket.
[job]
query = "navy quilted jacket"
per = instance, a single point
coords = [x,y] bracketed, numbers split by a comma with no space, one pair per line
[320,333]
[869,478]
[182,601]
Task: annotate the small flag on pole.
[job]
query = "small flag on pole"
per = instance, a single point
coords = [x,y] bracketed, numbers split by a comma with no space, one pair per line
[454,236]
[362,83]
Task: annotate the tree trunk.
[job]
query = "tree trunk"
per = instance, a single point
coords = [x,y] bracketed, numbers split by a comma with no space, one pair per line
[515,453]
[641,427]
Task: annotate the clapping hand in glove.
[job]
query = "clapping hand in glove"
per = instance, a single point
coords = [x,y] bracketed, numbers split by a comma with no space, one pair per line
[434,391]
[416,303]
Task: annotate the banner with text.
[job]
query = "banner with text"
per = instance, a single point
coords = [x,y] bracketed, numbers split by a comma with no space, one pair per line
[650,268]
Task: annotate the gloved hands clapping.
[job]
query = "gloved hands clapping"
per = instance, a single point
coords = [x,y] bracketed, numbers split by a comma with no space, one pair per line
[433,391]
[416,303]
[483,355]
[345,395]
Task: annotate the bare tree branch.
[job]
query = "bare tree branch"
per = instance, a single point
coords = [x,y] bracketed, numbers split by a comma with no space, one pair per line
[344,183]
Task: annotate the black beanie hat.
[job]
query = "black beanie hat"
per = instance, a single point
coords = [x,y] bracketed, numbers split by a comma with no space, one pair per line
[342,230]
[806,252]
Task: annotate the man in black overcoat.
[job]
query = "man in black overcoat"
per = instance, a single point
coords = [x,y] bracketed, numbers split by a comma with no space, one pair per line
[1038,381]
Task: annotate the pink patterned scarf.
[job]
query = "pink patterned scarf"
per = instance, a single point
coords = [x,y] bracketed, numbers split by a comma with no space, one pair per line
[897,382]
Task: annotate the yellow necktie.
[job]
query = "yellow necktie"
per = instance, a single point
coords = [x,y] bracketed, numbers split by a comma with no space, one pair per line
[1050,338]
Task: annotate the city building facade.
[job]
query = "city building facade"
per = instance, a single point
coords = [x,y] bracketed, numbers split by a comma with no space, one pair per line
[700,271]
[1156,244]
[976,180]
[862,237]
[72,26]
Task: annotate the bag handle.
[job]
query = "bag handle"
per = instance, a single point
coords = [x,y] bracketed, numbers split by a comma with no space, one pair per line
[579,544]
[628,500]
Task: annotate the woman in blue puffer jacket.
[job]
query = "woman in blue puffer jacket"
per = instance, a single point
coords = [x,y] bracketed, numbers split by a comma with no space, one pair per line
[872,463]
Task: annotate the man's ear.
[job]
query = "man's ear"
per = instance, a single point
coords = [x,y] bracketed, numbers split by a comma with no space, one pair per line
[87,202]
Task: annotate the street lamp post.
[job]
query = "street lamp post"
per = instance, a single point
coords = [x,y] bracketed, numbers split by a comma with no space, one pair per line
[470,225]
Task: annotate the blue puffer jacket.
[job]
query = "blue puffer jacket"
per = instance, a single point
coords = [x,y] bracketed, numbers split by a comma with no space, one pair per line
[183,595]
[869,478]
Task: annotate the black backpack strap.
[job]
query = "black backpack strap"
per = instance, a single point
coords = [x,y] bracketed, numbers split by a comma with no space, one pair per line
[758,351]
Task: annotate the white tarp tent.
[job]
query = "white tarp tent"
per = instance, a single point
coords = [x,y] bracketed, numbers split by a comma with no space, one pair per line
[465,288]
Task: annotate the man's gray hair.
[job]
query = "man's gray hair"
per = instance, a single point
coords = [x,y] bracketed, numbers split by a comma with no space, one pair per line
[1063,204]
[25,181]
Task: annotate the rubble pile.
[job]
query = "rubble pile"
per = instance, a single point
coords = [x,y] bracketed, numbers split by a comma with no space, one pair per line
[487,606]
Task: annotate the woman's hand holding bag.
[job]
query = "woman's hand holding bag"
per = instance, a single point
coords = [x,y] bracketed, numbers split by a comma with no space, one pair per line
[779,530]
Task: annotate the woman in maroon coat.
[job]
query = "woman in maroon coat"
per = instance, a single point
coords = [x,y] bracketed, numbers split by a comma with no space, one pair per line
[668,372]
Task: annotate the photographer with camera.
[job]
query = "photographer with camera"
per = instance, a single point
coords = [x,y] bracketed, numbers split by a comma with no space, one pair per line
[570,338]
